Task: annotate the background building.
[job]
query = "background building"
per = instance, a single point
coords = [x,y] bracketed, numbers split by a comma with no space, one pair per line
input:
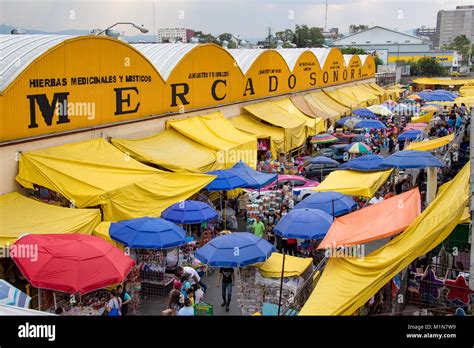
[174,34]
[454,23]
[429,33]
[400,47]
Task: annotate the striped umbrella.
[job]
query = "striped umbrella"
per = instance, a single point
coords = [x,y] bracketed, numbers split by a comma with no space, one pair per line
[358,148]
[323,138]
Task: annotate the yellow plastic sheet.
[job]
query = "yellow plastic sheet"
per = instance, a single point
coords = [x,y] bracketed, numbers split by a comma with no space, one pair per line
[425,118]
[21,215]
[321,100]
[353,183]
[216,133]
[341,96]
[380,95]
[250,125]
[388,94]
[295,128]
[362,95]
[171,150]
[466,91]
[313,125]
[294,266]
[348,283]
[430,144]
[95,173]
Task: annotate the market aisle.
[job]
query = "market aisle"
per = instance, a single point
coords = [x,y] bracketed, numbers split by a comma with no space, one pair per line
[213,296]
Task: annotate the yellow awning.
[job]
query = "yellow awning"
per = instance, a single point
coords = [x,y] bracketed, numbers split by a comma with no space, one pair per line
[354,183]
[360,94]
[171,150]
[321,100]
[250,125]
[389,93]
[441,82]
[347,283]
[94,172]
[466,216]
[295,128]
[294,266]
[313,125]
[468,100]
[381,95]
[430,144]
[216,132]
[311,109]
[21,215]
[341,96]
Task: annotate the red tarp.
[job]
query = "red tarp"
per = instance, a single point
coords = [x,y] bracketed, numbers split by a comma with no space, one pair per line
[377,221]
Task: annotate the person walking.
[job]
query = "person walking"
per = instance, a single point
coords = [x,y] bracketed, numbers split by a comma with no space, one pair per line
[125,297]
[113,305]
[226,279]
[258,227]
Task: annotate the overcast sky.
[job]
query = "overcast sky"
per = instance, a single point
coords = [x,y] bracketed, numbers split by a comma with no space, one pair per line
[247,18]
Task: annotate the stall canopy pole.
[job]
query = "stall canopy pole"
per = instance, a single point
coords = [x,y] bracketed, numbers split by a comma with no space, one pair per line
[281,282]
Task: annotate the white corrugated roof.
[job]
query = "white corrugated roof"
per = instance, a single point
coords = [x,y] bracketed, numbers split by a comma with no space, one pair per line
[18,51]
[363,58]
[291,55]
[321,54]
[347,59]
[164,56]
[245,57]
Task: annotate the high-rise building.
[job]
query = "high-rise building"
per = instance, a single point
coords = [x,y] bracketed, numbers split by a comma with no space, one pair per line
[174,34]
[454,23]
[430,33]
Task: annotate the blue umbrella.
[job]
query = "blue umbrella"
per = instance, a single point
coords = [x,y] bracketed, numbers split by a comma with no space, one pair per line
[364,112]
[236,249]
[309,224]
[253,178]
[147,233]
[370,124]
[322,160]
[411,135]
[189,212]
[364,163]
[411,159]
[324,201]
[9,295]
[225,181]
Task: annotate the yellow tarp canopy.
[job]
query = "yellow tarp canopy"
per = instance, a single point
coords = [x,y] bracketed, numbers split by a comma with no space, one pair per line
[381,95]
[441,82]
[466,216]
[348,283]
[425,118]
[311,109]
[295,128]
[321,100]
[102,231]
[21,215]
[313,125]
[466,91]
[252,126]
[468,100]
[294,266]
[95,173]
[389,93]
[342,96]
[171,150]
[353,183]
[215,132]
[430,144]
[362,95]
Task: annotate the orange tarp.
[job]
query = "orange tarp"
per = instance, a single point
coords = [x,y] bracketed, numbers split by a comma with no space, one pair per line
[377,221]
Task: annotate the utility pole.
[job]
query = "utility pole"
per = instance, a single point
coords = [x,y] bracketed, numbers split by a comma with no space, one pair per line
[326,17]
[154,25]
[471,205]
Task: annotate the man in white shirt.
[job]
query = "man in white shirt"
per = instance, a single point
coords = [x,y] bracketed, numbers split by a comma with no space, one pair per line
[376,199]
[194,277]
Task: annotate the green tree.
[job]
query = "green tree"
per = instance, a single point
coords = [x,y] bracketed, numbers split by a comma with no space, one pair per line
[461,44]
[356,50]
[286,35]
[307,37]
[427,66]
[227,37]
[205,38]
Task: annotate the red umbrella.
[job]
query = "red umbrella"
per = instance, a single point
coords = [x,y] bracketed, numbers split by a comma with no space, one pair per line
[70,262]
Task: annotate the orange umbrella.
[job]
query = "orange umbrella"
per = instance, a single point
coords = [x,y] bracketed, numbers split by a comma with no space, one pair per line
[377,221]
[413,96]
